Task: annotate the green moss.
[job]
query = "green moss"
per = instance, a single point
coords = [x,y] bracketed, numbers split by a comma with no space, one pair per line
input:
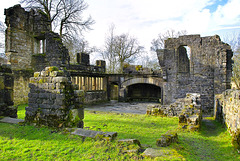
[41,81]
[53,68]
[36,74]
[73,118]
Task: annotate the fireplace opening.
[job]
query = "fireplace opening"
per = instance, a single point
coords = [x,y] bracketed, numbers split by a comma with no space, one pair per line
[143,92]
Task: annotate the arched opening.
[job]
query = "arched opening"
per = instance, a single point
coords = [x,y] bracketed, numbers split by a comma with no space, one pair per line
[114,91]
[184,55]
[144,92]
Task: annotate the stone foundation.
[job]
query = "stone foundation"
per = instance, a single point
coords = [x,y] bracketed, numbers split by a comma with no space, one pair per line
[188,110]
[53,101]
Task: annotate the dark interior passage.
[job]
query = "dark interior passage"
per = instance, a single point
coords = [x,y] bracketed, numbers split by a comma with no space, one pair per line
[144,92]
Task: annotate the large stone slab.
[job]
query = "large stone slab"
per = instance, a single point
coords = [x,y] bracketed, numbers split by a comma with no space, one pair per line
[162,154]
[94,134]
[11,120]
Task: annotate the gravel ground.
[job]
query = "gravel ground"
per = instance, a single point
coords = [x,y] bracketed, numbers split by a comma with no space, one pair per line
[121,107]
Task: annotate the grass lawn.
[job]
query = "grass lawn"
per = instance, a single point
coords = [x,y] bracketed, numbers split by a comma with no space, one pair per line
[30,143]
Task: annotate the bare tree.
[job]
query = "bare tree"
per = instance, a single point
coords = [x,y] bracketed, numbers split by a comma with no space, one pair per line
[2,34]
[159,42]
[63,14]
[71,21]
[51,8]
[126,48]
[236,68]
[77,45]
[109,50]
[120,49]
[233,39]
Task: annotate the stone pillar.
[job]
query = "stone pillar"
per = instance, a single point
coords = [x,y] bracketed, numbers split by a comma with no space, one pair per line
[53,101]
[6,92]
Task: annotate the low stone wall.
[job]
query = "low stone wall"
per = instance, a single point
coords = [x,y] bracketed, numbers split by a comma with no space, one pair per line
[53,101]
[188,110]
[95,97]
[227,111]
[6,92]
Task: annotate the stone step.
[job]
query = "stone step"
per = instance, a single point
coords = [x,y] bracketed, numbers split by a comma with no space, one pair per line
[11,120]
[94,134]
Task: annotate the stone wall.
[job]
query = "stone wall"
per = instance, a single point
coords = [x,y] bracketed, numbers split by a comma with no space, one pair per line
[6,92]
[227,111]
[53,100]
[30,46]
[21,88]
[192,64]
[95,97]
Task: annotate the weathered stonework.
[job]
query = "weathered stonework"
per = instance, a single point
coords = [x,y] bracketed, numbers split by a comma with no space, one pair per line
[167,138]
[227,111]
[30,46]
[188,110]
[6,92]
[53,101]
[205,69]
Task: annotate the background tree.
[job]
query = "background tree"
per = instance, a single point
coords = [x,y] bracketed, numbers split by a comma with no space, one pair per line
[233,39]
[77,46]
[66,18]
[120,49]
[70,19]
[159,42]
[126,48]
[64,15]
[109,51]
[236,68]
[51,8]
[2,34]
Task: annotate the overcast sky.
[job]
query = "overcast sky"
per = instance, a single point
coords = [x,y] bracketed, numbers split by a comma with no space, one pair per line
[145,19]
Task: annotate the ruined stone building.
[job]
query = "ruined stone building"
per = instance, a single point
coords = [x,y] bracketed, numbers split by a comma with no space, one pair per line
[189,64]
[206,68]
[31,46]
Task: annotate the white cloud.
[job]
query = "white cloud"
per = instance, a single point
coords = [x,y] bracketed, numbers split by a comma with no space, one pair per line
[145,19]
[226,15]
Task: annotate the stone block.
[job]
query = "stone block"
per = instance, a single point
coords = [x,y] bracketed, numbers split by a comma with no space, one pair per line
[60,86]
[2,86]
[33,95]
[44,95]
[11,120]
[59,102]
[130,141]
[37,74]
[94,134]
[59,79]
[51,86]
[167,139]
[34,80]
[193,120]
[44,73]
[33,105]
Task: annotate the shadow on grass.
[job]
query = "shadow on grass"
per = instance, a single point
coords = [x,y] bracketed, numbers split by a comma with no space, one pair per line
[212,142]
